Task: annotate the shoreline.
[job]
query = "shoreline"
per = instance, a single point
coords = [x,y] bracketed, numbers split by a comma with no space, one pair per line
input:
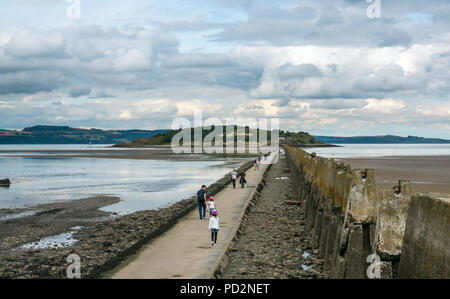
[149,153]
[102,244]
[426,173]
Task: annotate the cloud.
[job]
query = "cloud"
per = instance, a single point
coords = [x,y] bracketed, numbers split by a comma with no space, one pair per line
[29,82]
[318,65]
[79,90]
[387,79]
[25,44]
[103,95]
[319,23]
[132,60]
[197,60]
[301,71]
[385,106]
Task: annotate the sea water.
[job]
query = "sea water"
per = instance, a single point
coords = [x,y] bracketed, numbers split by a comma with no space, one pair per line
[140,184]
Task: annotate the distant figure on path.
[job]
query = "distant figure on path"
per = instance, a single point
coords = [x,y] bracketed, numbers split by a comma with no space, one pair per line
[243,181]
[201,198]
[214,227]
[211,205]
[234,177]
[257,163]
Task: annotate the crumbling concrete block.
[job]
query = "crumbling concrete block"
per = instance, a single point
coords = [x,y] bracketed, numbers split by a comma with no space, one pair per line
[362,197]
[391,221]
[426,244]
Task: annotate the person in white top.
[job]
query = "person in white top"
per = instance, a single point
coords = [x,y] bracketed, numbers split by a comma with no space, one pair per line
[234,175]
[214,226]
[211,205]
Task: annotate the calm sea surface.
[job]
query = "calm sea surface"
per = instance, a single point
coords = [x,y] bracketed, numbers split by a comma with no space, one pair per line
[381,150]
[141,184]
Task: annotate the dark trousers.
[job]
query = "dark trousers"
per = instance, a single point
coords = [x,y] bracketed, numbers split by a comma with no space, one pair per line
[234,182]
[202,206]
[243,182]
[214,237]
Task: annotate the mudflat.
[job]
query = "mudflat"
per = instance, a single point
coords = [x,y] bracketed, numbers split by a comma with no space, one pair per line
[426,173]
[54,218]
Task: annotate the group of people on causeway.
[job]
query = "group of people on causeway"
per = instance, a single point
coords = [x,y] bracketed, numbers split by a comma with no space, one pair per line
[242,181]
[213,217]
[204,202]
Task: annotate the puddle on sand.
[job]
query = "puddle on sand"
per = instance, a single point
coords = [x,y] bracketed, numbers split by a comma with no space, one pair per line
[305,255]
[305,267]
[283,178]
[57,241]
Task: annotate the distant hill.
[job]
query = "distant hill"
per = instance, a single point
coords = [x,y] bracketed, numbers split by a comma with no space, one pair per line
[380,139]
[68,135]
[300,138]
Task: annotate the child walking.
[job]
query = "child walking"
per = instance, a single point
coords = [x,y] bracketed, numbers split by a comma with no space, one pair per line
[211,205]
[214,226]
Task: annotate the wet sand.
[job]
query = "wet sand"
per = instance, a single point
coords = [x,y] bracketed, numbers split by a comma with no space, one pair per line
[50,219]
[426,173]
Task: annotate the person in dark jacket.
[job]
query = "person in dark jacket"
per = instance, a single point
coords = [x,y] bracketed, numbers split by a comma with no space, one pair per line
[243,181]
[201,199]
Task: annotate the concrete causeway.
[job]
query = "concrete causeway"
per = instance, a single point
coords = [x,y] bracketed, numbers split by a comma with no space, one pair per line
[185,250]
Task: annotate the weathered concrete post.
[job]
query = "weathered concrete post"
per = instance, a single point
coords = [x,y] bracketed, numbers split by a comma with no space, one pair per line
[426,243]
[391,221]
[361,211]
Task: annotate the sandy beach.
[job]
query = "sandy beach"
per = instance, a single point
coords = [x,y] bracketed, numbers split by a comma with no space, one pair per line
[426,173]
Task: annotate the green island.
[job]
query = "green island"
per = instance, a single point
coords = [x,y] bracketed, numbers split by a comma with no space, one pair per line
[286,137]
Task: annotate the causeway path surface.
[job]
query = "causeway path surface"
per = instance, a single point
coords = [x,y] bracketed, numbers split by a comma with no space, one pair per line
[185,251]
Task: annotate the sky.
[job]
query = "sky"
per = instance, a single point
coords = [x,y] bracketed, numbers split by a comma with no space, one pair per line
[325,67]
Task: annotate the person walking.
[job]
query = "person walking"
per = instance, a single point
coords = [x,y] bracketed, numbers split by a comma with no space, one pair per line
[214,227]
[211,205]
[234,175]
[243,181]
[201,199]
